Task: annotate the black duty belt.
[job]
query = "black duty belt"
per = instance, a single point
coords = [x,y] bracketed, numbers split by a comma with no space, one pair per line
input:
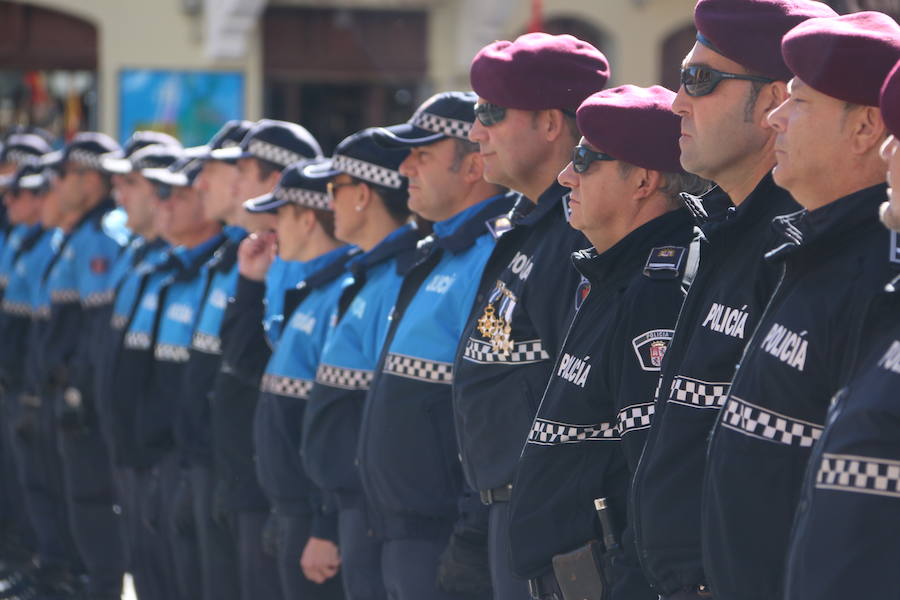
[497,494]
[544,587]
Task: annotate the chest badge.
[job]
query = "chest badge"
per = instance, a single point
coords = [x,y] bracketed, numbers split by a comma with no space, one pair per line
[495,324]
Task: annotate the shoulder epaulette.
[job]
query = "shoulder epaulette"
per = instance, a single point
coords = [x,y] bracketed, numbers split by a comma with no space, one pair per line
[665,262]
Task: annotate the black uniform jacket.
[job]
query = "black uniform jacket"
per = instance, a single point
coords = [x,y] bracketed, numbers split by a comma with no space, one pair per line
[523,308]
[730,291]
[835,261]
[596,410]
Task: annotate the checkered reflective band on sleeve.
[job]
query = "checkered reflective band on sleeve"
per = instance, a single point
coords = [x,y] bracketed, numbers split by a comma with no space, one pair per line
[137,340]
[207,343]
[368,171]
[118,322]
[85,158]
[286,386]
[171,353]
[635,417]
[764,424]
[64,296]
[99,299]
[698,394]
[349,379]
[860,474]
[531,351]
[447,126]
[418,368]
[552,433]
[272,153]
[307,198]
[42,313]
[16,309]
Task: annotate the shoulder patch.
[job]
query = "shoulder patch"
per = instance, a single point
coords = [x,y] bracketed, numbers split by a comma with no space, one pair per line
[499,225]
[581,294]
[895,247]
[665,262]
[650,347]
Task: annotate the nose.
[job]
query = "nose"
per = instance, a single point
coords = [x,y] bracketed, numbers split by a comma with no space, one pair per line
[568,177]
[407,166]
[478,132]
[681,103]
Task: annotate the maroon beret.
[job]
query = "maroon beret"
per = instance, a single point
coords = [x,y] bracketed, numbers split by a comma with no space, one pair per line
[890,101]
[846,57]
[749,32]
[635,125]
[539,71]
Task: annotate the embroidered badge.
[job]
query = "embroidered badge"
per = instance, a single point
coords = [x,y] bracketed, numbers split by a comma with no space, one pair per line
[650,348]
[581,294]
[664,262]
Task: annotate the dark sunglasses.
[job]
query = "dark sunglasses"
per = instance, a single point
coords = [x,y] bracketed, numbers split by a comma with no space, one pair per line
[699,80]
[489,114]
[582,157]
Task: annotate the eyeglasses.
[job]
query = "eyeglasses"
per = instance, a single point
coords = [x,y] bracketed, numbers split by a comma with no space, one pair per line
[331,187]
[582,157]
[489,114]
[699,80]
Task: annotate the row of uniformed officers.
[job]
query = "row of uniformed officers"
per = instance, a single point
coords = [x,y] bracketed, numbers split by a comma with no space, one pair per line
[543,340]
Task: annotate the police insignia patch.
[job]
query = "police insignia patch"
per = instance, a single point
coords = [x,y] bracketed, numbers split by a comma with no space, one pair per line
[498,226]
[99,265]
[650,348]
[664,262]
[581,294]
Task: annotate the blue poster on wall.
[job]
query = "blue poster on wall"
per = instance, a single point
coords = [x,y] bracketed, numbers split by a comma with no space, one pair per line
[191,105]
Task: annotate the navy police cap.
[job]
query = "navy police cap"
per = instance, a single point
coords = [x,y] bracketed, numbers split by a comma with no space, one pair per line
[294,187]
[278,142]
[228,136]
[154,156]
[181,173]
[360,156]
[444,115]
[86,149]
[23,148]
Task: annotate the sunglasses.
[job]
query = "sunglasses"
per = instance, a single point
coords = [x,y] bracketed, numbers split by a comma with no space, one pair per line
[331,187]
[489,114]
[582,157]
[700,80]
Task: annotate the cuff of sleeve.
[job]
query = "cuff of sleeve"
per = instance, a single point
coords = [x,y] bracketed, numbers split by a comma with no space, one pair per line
[324,526]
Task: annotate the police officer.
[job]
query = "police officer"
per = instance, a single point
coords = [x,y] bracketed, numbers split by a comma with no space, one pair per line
[407,453]
[834,260]
[589,431]
[303,525]
[368,196]
[850,490]
[218,550]
[525,127]
[731,78]
[263,153]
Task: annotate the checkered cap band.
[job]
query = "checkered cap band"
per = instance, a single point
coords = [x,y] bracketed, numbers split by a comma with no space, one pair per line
[205,342]
[859,474]
[64,296]
[171,353]
[531,351]
[307,198]
[764,424]
[137,340]
[447,126]
[85,158]
[349,379]
[286,386]
[118,322]
[20,157]
[698,394]
[368,171]
[419,369]
[553,433]
[635,417]
[99,299]
[272,153]
[16,309]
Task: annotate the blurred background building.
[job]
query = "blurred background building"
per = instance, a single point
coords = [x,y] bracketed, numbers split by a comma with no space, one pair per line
[184,66]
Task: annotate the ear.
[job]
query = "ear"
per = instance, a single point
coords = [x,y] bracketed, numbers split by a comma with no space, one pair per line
[646,182]
[553,123]
[867,129]
[272,179]
[472,168]
[771,96]
[364,196]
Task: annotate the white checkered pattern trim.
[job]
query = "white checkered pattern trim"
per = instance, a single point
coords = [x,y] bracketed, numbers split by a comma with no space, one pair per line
[368,171]
[64,296]
[118,322]
[171,353]
[417,368]
[85,158]
[207,343]
[17,309]
[552,433]
[860,474]
[764,424]
[531,351]
[286,386]
[272,153]
[98,299]
[20,157]
[447,126]
[349,379]
[42,313]
[698,394]
[635,418]
[307,198]
[137,340]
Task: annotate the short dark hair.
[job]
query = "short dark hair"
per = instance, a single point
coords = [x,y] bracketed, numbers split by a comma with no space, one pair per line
[461,149]
[394,200]
[755,88]
[267,167]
